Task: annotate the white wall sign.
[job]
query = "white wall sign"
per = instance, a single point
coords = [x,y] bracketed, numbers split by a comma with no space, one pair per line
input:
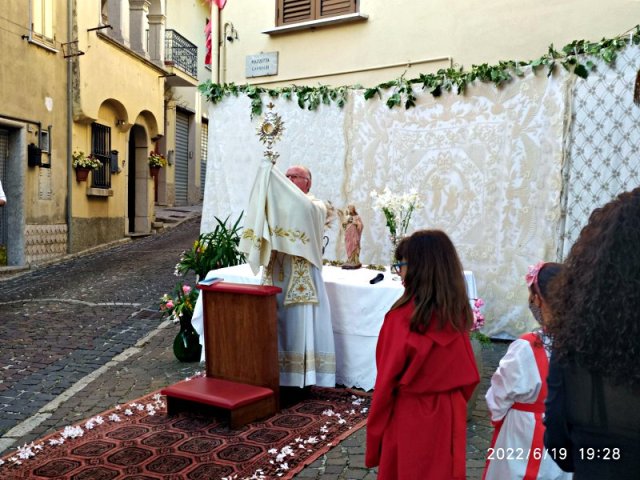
[261,65]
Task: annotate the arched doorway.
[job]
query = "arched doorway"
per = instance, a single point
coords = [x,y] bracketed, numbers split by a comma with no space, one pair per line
[138,182]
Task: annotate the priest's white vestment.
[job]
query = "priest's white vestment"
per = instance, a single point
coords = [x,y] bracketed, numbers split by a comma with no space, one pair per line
[283,233]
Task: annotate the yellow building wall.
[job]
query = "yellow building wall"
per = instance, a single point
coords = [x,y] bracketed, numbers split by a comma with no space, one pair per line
[426,36]
[32,90]
[118,88]
[33,87]
[188,17]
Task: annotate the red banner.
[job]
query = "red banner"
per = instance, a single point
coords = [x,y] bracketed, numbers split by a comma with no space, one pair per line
[207,34]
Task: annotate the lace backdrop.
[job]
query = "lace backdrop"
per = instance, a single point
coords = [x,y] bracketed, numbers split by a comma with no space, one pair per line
[602,158]
[487,165]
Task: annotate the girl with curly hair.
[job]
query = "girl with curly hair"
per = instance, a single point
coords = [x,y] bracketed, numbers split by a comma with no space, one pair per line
[593,403]
[416,427]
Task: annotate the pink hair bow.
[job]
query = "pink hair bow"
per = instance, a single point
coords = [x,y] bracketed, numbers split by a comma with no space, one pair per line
[532,273]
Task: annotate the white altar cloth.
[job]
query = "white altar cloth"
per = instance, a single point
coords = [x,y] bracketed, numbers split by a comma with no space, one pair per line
[357,312]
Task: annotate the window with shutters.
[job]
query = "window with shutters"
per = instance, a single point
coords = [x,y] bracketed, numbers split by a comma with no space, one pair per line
[101,149]
[290,12]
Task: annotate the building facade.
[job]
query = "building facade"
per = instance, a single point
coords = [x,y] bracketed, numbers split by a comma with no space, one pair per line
[33,131]
[114,79]
[367,42]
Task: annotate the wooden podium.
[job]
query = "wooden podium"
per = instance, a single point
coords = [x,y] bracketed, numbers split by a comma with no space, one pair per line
[241,343]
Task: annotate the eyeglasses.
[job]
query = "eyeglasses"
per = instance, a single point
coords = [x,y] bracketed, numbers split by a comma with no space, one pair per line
[291,176]
[395,268]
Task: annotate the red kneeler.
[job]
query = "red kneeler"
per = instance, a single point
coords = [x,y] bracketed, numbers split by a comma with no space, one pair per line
[244,402]
[241,344]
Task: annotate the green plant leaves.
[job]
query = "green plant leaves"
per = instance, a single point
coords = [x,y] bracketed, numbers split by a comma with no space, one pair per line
[217,249]
[445,79]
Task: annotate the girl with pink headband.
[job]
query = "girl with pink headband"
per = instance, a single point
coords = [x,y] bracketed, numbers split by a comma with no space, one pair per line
[517,393]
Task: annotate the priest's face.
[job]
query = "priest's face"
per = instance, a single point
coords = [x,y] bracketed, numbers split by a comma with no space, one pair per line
[300,177]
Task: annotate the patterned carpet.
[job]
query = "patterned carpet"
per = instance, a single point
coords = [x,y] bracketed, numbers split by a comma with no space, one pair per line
[138,441]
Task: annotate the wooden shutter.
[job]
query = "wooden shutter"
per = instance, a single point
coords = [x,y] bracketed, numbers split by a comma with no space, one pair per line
[182,159]
[332,8]
[295,11]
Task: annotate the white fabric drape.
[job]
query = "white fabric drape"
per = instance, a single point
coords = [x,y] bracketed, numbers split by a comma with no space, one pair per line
[487,165]
[279,216]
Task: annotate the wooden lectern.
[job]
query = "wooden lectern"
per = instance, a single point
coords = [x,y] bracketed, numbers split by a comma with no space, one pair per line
[241,344]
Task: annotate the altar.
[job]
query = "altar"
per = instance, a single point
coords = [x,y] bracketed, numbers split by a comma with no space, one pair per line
[357,312]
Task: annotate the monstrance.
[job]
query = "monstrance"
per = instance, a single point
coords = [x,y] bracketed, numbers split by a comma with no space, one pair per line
[270,131]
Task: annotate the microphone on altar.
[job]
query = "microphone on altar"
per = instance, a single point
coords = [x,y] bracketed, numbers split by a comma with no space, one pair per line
[378,278]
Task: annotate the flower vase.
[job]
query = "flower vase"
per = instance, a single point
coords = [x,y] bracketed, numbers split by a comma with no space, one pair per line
[394,244]
[82,173]
[154,170]
[186,345]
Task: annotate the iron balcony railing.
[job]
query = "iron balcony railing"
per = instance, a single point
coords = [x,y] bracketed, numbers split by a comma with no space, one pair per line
[180,53]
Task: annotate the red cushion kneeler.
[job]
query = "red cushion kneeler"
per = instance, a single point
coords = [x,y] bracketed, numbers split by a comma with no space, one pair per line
[217,392]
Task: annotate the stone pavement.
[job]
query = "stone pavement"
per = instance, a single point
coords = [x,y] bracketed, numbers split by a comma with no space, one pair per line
[79,336]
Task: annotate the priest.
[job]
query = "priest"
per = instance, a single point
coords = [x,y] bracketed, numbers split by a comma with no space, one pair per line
[284,225]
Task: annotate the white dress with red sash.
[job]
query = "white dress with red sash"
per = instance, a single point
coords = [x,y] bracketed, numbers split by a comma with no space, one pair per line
[516,403]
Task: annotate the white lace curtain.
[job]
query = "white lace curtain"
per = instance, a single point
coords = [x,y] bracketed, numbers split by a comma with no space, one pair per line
[487,164]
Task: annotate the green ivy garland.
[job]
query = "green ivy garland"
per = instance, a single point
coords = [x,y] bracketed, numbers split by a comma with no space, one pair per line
[449,79]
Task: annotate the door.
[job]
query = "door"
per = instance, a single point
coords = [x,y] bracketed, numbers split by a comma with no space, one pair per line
[204,143]
[4,155]
[131,184]
[182,158]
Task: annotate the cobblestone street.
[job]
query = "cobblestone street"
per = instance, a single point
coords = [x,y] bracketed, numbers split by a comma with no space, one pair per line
[64,322]
[80,336]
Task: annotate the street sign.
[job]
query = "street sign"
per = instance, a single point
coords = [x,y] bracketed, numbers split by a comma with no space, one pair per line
[261,65]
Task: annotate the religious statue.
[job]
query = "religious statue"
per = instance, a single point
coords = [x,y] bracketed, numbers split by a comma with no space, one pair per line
[352,227]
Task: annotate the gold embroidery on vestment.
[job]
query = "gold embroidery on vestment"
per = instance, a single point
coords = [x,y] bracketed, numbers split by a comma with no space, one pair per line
[301,288]
[292,235]
[267,272]
[295,362]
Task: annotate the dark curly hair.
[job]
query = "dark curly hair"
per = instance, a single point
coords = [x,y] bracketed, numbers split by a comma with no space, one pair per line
[596,298]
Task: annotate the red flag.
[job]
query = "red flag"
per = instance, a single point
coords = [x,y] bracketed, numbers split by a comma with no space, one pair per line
[220,3]
[207,34]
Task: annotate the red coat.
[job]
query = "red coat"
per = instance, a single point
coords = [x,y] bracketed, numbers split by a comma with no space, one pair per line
[417,423]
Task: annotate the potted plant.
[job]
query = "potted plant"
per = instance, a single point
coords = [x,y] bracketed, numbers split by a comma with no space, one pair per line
[156,162]
[213,250]
[83,164]
[179,307]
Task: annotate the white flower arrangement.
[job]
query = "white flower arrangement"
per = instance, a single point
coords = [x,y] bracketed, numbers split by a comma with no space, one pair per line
[80,160]
[397,209]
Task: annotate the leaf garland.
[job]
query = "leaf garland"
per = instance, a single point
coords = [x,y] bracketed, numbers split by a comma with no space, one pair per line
[570,57]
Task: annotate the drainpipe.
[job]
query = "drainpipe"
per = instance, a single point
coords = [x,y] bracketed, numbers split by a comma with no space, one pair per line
[219,41]
[69,125]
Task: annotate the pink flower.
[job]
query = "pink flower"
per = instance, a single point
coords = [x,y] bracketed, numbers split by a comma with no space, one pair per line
[170,304]
[186,289]
[478,317]
[532,273]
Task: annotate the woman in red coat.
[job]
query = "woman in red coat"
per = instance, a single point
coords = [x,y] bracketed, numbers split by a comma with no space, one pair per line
[426,369]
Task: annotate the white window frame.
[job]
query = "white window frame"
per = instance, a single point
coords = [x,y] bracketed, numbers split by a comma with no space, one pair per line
[41,21]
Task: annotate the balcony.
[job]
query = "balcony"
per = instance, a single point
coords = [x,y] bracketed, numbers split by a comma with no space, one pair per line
[181,60]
